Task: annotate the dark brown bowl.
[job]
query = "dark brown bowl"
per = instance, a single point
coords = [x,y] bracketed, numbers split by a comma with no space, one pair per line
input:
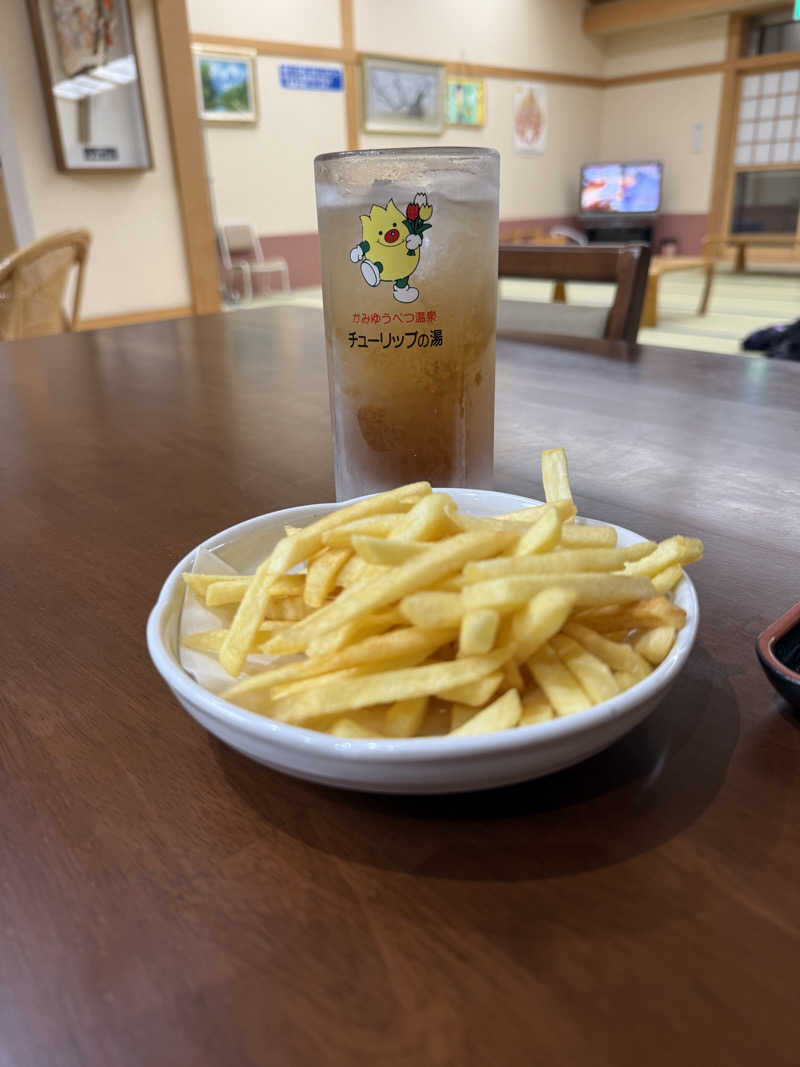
[778,650]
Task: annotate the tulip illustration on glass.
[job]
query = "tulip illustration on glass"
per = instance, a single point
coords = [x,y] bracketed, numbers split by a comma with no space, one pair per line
[390,246]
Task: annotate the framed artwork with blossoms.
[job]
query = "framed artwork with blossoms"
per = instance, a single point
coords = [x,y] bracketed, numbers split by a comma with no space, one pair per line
[403,97]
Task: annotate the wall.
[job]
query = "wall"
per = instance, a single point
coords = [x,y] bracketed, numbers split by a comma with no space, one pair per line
[264,174]
[543,187]
[691,42]
[526,34]
[656,120]
[137,261]
[314,22]
[532,34]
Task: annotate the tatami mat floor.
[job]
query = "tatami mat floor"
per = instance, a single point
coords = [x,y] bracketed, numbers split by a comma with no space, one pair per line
[740,303]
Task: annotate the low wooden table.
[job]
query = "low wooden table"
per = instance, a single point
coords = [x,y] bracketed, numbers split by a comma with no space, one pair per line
[742,241]
[660,265]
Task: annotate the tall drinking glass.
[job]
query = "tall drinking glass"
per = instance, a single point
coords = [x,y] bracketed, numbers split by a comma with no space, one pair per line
[409,283]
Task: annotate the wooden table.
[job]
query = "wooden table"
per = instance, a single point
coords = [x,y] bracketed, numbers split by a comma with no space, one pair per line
[165,902]
[660,265]
[713,244]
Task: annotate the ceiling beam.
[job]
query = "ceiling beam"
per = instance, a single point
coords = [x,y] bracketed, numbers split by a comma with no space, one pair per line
[618,15]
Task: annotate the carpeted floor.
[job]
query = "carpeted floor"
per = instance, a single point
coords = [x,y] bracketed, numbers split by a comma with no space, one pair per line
[740,303]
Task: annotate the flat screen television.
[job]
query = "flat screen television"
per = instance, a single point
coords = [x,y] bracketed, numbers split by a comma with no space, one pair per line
[620,190]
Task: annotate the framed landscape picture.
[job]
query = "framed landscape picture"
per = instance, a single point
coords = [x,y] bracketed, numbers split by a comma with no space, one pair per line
[226,85]
[403,97]
[466,102]
[90,80]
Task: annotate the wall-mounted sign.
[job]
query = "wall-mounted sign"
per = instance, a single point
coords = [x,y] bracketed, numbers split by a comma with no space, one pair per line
[321,79]
[100,155]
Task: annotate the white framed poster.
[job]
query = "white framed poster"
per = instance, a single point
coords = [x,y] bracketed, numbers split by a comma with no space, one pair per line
[90,80]
[530,117]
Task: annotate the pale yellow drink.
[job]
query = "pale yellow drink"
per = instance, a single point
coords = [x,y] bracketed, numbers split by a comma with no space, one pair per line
[409,315]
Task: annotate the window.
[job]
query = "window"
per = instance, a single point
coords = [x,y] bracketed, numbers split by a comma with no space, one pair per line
[768,129]
[776,32]
[766,201]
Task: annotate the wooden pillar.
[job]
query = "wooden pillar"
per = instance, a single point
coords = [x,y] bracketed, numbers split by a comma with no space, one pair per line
[352,73]
[721,185]
[188,154]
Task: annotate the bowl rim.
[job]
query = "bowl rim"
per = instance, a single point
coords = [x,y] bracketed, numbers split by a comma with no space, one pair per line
[386,750]
[765,644]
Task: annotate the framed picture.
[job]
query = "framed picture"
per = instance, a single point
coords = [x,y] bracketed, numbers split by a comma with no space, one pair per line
[401,97]
[226,85]
[466,102]
[530,118]
[90,80]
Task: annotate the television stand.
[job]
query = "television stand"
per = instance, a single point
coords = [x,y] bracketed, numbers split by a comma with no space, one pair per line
[619,234]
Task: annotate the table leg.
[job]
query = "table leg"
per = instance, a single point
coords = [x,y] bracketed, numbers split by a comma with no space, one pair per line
[559,293]
[650,308]
[707,289]
[741,259]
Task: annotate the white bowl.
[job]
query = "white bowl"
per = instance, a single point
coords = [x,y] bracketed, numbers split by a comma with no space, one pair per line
[414,765]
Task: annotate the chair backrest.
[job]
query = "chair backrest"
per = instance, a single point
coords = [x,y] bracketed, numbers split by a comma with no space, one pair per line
[238,239]
[625,265]
[32,284]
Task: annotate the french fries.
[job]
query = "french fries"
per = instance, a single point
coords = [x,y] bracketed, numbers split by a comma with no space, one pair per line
[570,561]
[384,647]
[478,632]
[385,687]
[385,552]
[593,675]
[535,708]
[644,615]
[542,536]
[474,694]
[540,619]
[565,509]
[563,691]
[399,615]
[555,476]
[404,717]
[590,589]
[584,536]
[433,608]
[502,714]
[320,577]
[655,644]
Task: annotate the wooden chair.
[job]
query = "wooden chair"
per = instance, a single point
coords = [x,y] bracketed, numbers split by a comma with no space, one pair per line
[239,239]
[32,284]
[625,265]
